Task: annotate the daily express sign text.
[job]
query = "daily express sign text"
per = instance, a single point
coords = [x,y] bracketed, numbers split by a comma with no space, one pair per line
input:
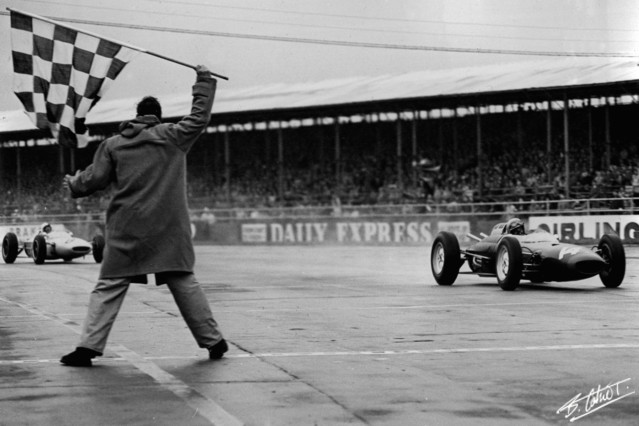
[347,232]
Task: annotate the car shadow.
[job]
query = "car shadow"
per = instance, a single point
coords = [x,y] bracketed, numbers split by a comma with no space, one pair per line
[52,262]
[549,287]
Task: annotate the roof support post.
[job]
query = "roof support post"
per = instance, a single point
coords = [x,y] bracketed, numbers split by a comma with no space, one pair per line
[413,136]
[398,134]
[18,168]
[520,133]
[280,163]
[378,137]
[566,147]
[549,171]
[267,144]
[227,163]
[607,129]
[338,149]
[217,166]
[440,136]
[455,155]
[480,177]
[591,160]
[320,129]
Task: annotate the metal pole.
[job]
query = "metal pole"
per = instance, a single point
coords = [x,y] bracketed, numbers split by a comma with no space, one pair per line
[280,163]
[414,145]
[520,134]
[267,144]
[227,164]
[338,149]
[549,141]
[398,128]
[18,168]
[590,138]
[455,140]
[566,147]
[608,140]
[320,130]
[480,178]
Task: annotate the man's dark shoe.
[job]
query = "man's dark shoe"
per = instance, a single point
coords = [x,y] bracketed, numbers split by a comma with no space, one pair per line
[217,350]
[81,357]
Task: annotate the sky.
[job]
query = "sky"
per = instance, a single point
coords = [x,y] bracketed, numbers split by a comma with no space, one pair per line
[256,43]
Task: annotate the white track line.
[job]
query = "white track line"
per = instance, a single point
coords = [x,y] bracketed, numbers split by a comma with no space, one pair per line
[138,359]
[204,406]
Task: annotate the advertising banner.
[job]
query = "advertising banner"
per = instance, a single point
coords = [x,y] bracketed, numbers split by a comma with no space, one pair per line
[584,229]
[391,230]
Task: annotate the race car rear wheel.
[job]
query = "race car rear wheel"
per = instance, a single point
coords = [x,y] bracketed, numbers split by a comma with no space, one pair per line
[445,259]
[39,249]
[613,253]
[508,263]
[97,245]
[10,247]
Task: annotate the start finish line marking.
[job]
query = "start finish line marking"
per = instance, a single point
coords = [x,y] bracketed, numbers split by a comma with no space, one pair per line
[139,360]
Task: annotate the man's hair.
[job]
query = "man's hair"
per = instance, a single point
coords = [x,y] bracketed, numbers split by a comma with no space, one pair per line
[149,105]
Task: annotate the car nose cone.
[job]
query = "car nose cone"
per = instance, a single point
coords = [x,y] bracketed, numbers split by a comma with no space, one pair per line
[590,264]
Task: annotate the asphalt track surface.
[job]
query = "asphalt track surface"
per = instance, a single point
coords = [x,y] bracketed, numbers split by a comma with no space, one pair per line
[324,336]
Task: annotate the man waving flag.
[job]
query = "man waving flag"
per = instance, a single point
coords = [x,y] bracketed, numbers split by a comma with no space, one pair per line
[60,73]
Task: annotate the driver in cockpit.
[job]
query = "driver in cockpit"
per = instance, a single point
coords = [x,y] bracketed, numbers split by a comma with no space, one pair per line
[515,227]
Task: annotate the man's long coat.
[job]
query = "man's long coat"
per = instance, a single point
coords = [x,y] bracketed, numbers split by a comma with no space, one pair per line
[148,230]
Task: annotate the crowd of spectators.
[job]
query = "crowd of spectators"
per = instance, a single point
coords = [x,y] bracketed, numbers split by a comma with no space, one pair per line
[39,193]
[508,176]
[368,180]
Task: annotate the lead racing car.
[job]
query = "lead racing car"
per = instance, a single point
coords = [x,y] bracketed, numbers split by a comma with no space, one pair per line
[510,254]
[49,244]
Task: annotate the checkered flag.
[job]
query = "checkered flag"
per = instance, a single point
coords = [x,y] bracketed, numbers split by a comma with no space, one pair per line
[60,73]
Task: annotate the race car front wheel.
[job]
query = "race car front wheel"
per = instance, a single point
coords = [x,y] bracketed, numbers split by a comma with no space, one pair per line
[445,259]
[613,253]
[9,247]
[39,249]
[508,264]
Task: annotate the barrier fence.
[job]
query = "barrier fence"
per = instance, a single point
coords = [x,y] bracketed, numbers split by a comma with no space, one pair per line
[578,221]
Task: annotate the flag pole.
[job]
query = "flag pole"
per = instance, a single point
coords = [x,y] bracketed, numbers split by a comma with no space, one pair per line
[130,46]
[180,63]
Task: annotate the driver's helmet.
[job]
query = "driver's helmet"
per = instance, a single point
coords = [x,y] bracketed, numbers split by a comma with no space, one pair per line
[46,228]
[515,227]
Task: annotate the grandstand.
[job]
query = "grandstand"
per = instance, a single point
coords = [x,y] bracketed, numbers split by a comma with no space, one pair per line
[549,135]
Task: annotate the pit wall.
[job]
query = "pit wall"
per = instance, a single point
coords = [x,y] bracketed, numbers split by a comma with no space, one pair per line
[417,230]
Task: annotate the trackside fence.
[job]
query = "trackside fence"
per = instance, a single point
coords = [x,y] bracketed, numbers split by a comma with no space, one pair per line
[578,221]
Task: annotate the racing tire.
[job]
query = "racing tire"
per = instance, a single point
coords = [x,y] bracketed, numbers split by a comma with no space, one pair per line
[612,251]
[445,259]
[39,249]
[10,247]
[508,263]
[97,245]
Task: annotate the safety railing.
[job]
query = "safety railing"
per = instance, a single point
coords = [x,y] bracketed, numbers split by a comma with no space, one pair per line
[582,207]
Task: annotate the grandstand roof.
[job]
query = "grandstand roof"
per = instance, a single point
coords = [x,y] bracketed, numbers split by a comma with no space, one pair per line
[494,84]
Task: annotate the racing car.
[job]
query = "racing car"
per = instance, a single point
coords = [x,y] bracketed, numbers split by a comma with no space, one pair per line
[510,254]
[49,244]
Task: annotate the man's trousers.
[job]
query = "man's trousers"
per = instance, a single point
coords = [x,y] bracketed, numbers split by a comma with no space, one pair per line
[107,297]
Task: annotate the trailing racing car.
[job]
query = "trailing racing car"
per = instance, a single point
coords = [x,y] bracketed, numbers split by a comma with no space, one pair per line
[49,244]
[510,254]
